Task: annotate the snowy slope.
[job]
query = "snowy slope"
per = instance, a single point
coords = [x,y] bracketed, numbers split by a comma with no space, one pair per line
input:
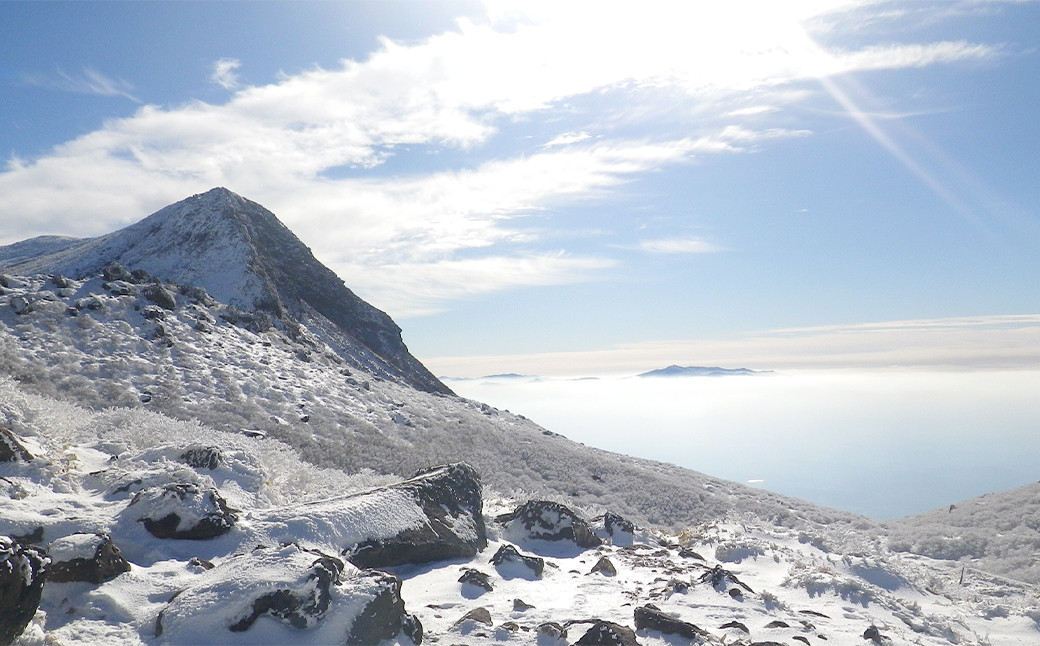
[108,382]
[243,256]
[202,362]
[737,577]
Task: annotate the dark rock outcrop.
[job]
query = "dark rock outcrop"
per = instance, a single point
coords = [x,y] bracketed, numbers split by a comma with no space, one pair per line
[384,617]
[618,528]
[719,578]
[476,578]
[608,633]
[549,521]
[511,564]
[11,450]
[22,573]
[203,457]
[650,617]
[183,510]
[161,296]
[604,566]
[100,561]
[451,499]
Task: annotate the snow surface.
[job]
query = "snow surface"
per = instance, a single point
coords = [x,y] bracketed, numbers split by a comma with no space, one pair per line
[829,581]
[108,406]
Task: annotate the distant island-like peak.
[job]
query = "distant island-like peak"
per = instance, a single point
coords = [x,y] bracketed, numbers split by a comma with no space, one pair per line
[700,371]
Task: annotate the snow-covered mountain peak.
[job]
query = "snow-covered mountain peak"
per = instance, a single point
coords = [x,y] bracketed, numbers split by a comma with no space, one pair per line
[243,256]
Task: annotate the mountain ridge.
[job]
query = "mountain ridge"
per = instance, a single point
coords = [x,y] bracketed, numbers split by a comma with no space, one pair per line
[241,254]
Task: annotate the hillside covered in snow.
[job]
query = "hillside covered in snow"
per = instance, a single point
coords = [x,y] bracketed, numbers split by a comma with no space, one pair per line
[241,451]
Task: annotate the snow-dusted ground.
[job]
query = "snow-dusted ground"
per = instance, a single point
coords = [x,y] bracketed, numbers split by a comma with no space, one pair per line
[793,583]
[276,407]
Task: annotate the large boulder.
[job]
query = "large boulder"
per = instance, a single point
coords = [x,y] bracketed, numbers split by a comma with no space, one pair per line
[436,515]
[608,633]
[650,617]
[545,520]
[93,558]
[22,573]
[182,510]
[288,589]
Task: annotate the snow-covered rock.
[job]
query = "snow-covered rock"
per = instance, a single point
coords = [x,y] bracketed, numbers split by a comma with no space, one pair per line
[285,595]
[22,572]
[89,557]
[545,520]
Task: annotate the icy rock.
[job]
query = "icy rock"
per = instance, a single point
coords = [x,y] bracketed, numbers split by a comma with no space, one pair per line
[604,566]
[203,457]
[21,305]
[512,564]
[650,617]
[477,616]
[384,617]
[551,631]
[11,450]
[93,558]
[549,521]
[608,633]
[618,528]
[476,578]
[450,500]
[115,271]
[182,510]
[119,288]
[161,296]
[22,573]
[301,589]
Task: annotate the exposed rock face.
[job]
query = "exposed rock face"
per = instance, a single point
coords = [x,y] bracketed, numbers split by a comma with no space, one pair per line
[512,564]
[22,572]
[11,450]
[183,510]
[242,255]
[549,521]
[650,617]
[476,578]
[607,633]
[450,497]
[384,617]
[618,527]
[93,558]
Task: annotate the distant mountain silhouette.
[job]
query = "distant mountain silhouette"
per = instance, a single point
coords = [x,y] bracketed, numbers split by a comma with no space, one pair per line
[698,371]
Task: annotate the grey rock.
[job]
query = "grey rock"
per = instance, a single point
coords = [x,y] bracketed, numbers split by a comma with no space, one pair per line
[106,563]
[22,574]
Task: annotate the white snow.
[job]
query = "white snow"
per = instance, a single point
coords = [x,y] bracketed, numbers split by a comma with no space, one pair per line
[147,402]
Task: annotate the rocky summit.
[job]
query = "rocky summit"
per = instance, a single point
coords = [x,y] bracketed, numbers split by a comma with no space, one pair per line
[242,255]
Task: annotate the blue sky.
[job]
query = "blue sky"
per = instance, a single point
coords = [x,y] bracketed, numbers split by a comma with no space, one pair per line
[574,188]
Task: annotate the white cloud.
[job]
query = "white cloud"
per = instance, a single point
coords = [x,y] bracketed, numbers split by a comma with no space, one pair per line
[678,246]
[225,73]
[304,144]
[969,343]
[89,81]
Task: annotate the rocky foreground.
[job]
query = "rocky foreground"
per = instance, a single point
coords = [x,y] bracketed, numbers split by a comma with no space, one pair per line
[174,541]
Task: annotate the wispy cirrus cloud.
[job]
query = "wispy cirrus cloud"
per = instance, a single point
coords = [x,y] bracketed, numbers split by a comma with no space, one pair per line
[88,81]
[678,246]
[225,73]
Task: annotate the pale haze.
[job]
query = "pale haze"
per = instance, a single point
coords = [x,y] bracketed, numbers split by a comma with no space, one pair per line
[842,192]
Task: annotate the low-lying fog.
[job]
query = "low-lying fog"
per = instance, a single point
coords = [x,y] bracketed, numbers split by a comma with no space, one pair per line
[881,443]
